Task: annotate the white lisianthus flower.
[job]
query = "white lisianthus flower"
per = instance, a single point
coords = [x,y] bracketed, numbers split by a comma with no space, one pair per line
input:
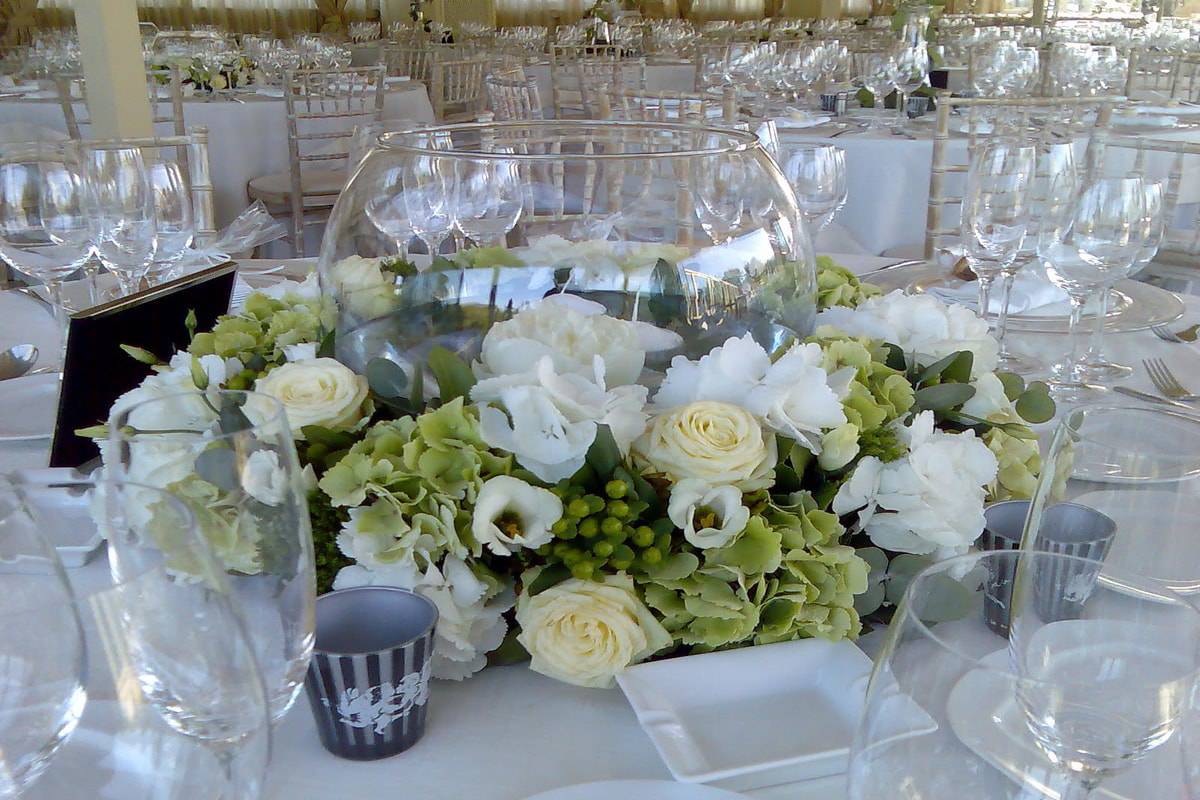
[716,443]
[470,612]
[989,399]
[363,288]
[587,632]
[510,514]
[793,396]
[548,421]
[263,478]
[921,325]
[321,391]
[930,502]
[838,447]
[709,516]
[302,351]
[294,291]
[572,332]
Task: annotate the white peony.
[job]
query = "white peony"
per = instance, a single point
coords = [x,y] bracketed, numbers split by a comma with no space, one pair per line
[921,325]
[510,514]
[793,396]
[363,288]
[470,613]
[548,421]
[929,502]
[718,510]
[572,332]
[587,632]
[321,391]
[263,478]
[716,443]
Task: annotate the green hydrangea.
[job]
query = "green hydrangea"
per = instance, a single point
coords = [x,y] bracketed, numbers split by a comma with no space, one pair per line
[838,286]
[479,257]
[1020,462]
[265,326]
[230,530]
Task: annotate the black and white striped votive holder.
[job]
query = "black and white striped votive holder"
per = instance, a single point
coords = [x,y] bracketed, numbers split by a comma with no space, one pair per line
[368,681]
[1061,587]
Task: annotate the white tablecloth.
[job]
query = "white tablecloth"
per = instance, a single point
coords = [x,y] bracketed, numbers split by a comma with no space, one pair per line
[245,139]
[508,733]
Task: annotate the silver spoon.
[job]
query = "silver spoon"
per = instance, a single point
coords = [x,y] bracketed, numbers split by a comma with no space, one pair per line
[17,360]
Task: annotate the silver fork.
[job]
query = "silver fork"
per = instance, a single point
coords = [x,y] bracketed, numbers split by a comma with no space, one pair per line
[1165,381]
[1186,335]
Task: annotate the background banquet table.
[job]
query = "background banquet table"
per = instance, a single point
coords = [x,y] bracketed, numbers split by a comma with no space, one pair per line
[246,138]
[508,732]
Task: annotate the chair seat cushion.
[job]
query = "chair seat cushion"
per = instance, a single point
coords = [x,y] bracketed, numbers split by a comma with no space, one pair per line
[318,186]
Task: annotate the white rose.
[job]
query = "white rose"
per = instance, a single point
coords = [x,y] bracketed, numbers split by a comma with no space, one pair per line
[263,479]
[318,392]
[921,325]
[363,288]
[292,291]
[717,443]
[989,398]
[548,421]
[718,510]
[570,331]
[510,514]
[838,447]
[586,633]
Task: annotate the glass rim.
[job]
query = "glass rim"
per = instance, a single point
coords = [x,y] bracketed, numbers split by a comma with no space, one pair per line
[278,414]
[1072,421]
[972,559]
[737,141]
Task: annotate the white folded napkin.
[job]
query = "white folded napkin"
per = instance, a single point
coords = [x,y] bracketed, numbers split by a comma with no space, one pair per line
[799,118]
[1146,120]
[1031,290]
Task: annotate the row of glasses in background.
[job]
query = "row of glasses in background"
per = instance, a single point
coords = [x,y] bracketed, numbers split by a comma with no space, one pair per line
[900,67]
[1082,70]
[63,203]
[1002,69]
[1066,668]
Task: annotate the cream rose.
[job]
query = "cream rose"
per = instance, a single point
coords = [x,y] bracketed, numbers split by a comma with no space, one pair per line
[717,443]
[585,633]
[321,391]
[364,289]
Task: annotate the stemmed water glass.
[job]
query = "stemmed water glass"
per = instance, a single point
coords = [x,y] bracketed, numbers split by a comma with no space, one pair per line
[428,196]
[230,457]
[45,232]
[121,207]
[995,212]
[874,71]
[912,73]
[175,226]
[1094,245]
[489,199]
[718,195]
[388,211]
[817,173]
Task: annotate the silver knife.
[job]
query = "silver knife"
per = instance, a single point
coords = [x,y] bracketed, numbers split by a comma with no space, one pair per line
[1153,398]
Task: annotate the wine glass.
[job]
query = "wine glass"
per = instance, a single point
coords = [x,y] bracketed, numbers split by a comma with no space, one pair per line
[995,212]
[1093,246]
[912,73]
[388,211]
[428,192]
[993,662]
[718,196]
[874,72]
[488,200]
[174,224]
[171,673]
[42,654]
[121,205]
[230,457]
[818,175]
[1123,468]
[44,230]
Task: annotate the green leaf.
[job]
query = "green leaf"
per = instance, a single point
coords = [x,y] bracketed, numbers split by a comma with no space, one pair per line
[141,354]
[386,378]
[93,432]
[231,419]
[901,572]
[510,650]
[870,600]
[1034,405]
[959,370]
[454,377]
[548,577]
[943,397]
[935,369]
[326,348]
[334,440]
[1013,383]
[218,466]
[604,456]
[942,600]
[416,393]
[895,357]
[674,568]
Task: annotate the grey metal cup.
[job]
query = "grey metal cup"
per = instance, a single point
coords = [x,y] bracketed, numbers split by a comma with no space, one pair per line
[916,107]
[368,681]
[829,101]
[1061,587]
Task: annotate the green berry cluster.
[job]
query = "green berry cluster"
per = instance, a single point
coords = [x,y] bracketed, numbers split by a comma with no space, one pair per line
[606,533]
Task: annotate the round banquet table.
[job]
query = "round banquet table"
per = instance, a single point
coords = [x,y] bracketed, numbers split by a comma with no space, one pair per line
[246,137]
[508,732]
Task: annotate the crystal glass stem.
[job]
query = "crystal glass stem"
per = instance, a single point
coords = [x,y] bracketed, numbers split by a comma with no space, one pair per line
[1076,334]
[901,107]
[1006,287]
[985,291]
[1095,351]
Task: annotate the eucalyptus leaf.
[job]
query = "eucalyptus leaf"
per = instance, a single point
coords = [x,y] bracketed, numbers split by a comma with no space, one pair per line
[875,558]
[552,575]
[454,377]
[326,348]
[901,572]
[1013,384]
[869,601]
[1034,405]
[935,369]
[231,419]
[895,357]
[218,466]
[416,394]
[604,456]
[959,370]
[943,599]
[386,378]
[334,440]
[943,397]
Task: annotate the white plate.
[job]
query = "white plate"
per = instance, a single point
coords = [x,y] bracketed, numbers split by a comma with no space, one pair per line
[982,711]
[1129,429]
[713,724]
[637,790]
[1137,305]
[29,407]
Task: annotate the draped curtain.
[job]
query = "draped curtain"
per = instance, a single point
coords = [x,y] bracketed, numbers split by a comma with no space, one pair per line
[20,18]
[281,17]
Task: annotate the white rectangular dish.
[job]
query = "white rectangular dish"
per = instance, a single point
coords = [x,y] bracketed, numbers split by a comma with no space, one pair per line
[754,717]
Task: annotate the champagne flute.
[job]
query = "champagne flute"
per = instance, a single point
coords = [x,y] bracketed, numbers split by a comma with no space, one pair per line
[995,213]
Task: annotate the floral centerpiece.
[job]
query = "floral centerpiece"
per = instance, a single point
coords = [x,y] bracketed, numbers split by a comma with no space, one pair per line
[557,497]
[197,75]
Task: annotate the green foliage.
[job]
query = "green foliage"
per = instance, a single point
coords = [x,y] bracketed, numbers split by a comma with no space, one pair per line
[454,377]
